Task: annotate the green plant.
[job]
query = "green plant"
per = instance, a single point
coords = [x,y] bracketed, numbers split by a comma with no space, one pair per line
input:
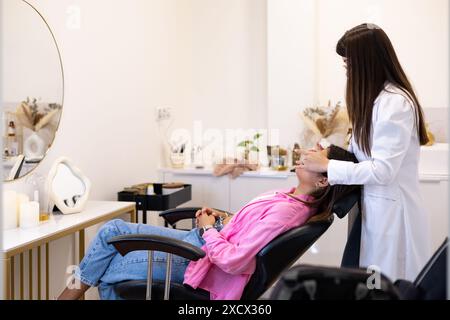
[250,145]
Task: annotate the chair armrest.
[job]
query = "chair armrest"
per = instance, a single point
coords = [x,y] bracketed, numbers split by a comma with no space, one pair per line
[137,242]
[172,216]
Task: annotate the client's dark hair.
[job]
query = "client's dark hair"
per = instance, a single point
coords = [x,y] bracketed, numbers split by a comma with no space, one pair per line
[325,198]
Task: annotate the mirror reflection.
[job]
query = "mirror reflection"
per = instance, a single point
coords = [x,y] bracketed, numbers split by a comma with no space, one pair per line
[32,88]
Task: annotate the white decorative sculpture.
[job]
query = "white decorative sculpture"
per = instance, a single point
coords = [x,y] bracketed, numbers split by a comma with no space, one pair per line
[34,147]
[67,187]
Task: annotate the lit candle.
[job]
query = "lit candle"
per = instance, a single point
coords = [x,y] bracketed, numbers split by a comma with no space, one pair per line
[29,214]
[10,210]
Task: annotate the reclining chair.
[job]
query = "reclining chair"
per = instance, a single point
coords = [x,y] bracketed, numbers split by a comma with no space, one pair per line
[271,261]
[305,282]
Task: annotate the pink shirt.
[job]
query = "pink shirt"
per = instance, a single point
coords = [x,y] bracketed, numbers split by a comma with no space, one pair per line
[230,254]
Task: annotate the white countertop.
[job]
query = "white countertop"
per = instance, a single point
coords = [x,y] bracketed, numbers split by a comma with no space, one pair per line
[434,162]
[95,212]
[264,172]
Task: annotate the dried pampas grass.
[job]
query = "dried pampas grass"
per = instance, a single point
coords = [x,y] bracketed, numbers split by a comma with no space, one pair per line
[30,117]
[329,122]
[45,120]
[24,115]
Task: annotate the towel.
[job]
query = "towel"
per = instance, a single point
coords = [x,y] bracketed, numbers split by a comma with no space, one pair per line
[234,168]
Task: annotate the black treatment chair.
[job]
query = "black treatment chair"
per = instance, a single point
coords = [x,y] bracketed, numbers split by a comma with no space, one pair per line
[271,261]
[306,282]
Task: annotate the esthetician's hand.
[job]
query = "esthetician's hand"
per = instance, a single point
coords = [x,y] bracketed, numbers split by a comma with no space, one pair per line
[318,147]
[313,160]
[203,220]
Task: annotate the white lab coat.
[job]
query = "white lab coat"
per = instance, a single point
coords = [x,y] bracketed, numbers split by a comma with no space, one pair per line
[395,232]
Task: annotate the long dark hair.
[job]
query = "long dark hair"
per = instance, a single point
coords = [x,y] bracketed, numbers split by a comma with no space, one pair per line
[325,198]
[371,62]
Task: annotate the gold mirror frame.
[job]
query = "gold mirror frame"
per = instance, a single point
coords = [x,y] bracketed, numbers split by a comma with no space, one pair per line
[62,95]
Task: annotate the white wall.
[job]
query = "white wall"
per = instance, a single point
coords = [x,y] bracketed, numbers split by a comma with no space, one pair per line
[418,30]
[291,32]
[303,68]
[221,58]
[220,69]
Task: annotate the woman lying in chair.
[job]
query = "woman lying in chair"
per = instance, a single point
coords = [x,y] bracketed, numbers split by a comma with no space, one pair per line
[230,249]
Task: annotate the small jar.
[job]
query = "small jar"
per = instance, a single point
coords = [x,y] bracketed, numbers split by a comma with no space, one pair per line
[177,160]
[295,155]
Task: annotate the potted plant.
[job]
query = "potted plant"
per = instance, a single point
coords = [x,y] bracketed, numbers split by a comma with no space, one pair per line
[250,145]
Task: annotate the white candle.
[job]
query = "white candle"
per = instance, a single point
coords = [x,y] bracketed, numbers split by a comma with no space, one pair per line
[29,214]
[10,210]
[21,198]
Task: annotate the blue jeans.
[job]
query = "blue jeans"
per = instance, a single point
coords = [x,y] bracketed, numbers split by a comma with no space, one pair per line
[103,266]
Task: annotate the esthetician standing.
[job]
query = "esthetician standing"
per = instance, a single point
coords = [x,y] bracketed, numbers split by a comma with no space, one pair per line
[387,131]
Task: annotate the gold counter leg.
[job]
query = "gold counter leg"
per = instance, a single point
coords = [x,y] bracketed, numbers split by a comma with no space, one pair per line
[21,277]
[47,272]
[133,216]
[81,243]
[12,283]
[6,278]
[39,273]
[30,274]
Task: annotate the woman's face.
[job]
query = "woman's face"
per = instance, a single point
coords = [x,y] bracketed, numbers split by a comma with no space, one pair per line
[307,177]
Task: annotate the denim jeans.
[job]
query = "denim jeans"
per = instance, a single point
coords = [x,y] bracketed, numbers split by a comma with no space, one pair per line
[103,266]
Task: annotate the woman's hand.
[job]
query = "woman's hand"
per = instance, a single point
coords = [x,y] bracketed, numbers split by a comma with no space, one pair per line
[313,160]
[204,219]
[209,212]
[212,213]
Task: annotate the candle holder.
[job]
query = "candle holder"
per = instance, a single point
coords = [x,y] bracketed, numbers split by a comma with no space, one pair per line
[37,183]
[44,216]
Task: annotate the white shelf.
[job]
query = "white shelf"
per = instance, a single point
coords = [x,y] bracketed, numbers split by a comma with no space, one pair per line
[262,173]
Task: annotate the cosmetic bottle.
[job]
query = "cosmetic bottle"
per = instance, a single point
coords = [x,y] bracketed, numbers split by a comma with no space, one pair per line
[12,143]
[295,155]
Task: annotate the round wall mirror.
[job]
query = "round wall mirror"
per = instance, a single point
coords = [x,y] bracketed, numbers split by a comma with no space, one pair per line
[32,88]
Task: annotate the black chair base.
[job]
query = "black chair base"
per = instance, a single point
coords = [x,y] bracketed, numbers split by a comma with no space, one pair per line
[136,290]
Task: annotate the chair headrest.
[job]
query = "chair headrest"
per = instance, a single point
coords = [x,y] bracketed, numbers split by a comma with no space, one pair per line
[344,205]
